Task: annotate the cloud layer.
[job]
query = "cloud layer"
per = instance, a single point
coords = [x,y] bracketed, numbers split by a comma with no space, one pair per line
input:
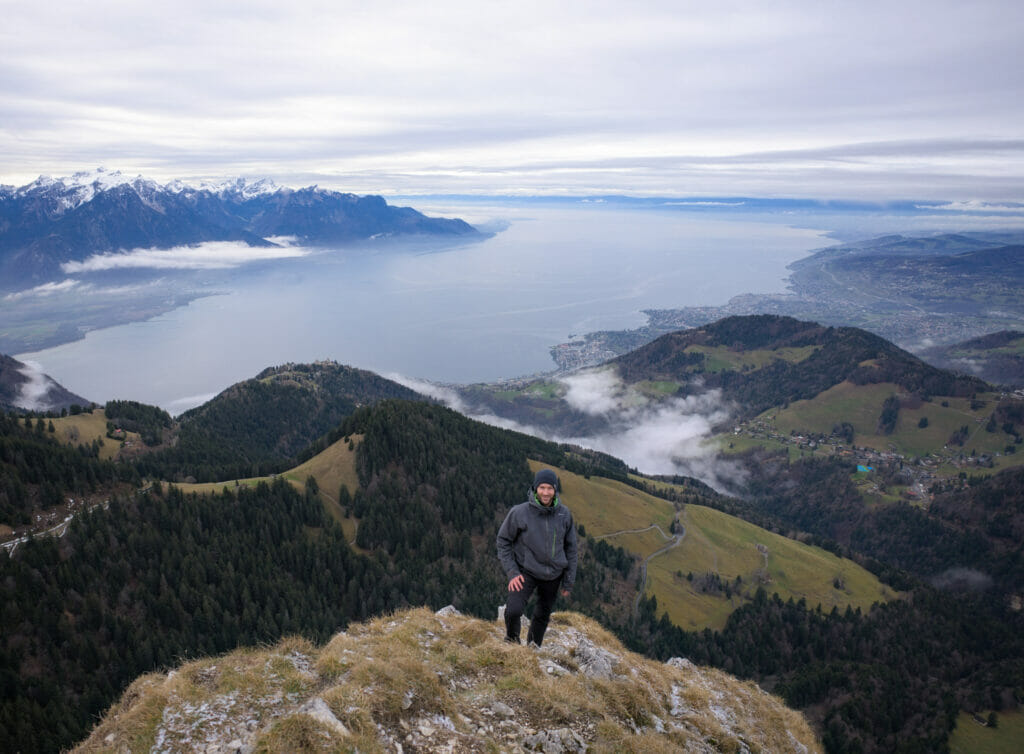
[212,255]
[32,395]
[901,99]
[655,437]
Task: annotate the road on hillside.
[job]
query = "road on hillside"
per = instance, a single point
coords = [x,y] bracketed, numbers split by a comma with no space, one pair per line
[55,531]
[676,539]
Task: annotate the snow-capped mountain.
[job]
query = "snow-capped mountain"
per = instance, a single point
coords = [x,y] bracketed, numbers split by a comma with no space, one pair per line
[52,221]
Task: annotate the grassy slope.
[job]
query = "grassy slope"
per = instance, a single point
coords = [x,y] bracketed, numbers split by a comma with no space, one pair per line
[723,544]
[714,542]
[971,738]
[90,427]
[720,358]
[861,405]
[335,466]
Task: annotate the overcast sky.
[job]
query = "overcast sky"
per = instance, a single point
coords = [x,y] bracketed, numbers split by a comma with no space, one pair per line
[920,100]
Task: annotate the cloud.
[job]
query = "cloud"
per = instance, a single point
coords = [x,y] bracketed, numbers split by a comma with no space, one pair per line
[704,204]
[452,400]
[46,289]
[211,255]
[974,205]
[179,405]
[598,393]
[33,392]
[387,100]
[666,436]
[962,579]
[656,437]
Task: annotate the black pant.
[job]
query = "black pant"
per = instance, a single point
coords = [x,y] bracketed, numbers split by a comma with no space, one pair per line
[547,592]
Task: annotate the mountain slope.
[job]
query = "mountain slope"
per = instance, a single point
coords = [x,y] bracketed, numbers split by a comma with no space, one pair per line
[257,426]
[420,681]
[754,362]
[997,357]
[832,355]
[54,221]
[23,387]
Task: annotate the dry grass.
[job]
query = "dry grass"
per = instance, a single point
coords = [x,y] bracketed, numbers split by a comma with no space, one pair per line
[82,429]
[714,542]
[435,682]
[333,467]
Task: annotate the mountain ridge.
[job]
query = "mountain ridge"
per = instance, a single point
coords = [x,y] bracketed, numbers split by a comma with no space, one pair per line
[51,222]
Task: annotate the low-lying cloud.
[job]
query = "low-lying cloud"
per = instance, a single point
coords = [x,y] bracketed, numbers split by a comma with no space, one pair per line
[46,289]
[974,205]
[666,436]
[962,579]
[33,392]
[212,255]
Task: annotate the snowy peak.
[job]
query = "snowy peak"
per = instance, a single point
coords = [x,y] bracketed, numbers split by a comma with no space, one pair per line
[52,221]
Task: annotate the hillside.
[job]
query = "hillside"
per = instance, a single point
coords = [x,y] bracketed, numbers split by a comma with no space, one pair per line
[258,426]
[160,575]
[23,387]
[718,561]
[419,681]
[765,361]
[157,576]
[997,358]
[752,363]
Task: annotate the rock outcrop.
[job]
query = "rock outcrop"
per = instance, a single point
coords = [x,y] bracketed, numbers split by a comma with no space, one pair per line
[418,681]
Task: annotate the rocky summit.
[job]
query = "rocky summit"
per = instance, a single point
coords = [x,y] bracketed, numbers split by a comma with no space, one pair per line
[418,681]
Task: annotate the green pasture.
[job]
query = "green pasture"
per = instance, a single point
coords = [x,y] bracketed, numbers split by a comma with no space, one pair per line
[971,738]
[82,429]
[605,506]
[1014,348]
[716,542]
[657,387]
[641,543]
[721,358]
[861,405]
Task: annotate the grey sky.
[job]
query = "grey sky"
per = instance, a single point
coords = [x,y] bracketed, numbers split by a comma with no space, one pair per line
[896,99]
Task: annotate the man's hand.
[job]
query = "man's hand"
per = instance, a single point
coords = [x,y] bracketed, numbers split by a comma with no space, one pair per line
[566,592]
[516,583]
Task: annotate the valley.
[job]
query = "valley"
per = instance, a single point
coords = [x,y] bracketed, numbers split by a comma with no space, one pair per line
[344,471]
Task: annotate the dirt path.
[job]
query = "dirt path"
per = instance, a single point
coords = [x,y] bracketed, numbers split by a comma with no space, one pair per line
[675,541]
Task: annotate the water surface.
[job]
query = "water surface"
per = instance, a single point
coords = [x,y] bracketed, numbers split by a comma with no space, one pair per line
[476,312]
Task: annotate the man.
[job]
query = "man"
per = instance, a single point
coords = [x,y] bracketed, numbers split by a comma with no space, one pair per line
[537,549]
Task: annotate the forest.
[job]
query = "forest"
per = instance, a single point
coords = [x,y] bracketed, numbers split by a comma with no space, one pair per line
[158,576]
[163,576]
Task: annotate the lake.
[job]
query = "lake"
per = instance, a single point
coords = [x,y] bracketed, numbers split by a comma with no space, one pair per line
[471,313]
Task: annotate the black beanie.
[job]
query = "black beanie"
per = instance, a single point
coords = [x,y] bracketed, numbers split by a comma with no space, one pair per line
[545,476]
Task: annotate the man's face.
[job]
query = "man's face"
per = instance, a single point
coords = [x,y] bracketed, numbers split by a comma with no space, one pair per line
[545,493]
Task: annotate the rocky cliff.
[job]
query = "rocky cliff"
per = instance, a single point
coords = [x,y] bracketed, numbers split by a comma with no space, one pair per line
[418,681]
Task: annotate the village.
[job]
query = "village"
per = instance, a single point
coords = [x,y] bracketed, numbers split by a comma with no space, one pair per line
[921,475]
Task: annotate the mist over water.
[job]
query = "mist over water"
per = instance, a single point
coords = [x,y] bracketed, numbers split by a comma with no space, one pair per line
[469,313]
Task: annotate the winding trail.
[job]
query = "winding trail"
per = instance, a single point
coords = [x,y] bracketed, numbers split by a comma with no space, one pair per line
[675,540]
